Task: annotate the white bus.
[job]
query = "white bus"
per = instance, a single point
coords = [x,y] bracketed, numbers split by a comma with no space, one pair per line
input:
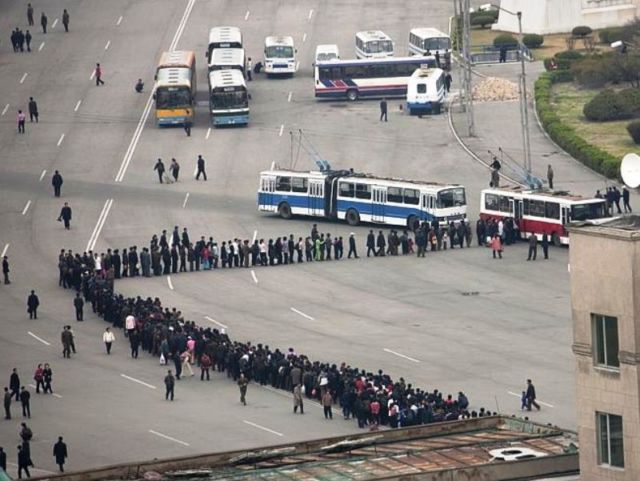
[279,56]
[428,41]
[223,37]
[356,198]
[227,59]
[228,98]
[373,44]
[324,53]
[425,91]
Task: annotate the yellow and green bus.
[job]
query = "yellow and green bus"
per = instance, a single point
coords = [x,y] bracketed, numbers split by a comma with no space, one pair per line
[175,89]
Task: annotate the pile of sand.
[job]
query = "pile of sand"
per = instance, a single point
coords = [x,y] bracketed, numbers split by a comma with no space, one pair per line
[494,88]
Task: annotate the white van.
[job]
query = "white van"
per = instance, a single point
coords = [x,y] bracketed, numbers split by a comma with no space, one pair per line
[428,41]
[279,56]
[325,53]
[373,44]
[426,91]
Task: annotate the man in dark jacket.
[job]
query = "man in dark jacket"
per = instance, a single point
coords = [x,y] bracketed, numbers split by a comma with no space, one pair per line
[56,181]
[381,244]
[531,396]
[25,401]
[352,246]
[32,305]
[23,462]
[78,303]
[14,384]
[371,244]
[533,247]
[160,168]
[169,383]
[5,269]
[33,110]
[65,215]
[545,245]
[60,453]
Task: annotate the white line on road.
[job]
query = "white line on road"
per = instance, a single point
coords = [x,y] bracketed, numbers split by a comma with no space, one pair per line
[302,314]
[310,14]
[186,198]
[400,355]
[44,172]
[26,207]
[24,76]
[206,137]
[98,228]
[281,130]
[215,322]
[537,400]
[38,338]
[289,96]
[181,25]
[273,164]
[297,66]
[60,140]
[304,38]
[253,274]
[106,47]
[282,393]
[255,236]
[150,386]
[55,22]
[168,437]
[169,282]
[93,73]
[4,110]
[77,105]
[6,248]
[263,428]
[119,20]
[41,47]
[55,394]
[32,468]
[246,15]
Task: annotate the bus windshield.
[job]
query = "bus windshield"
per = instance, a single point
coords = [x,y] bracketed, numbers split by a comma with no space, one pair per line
[437,43]
[379,46]
[451,197]
[279,51]
[589,211]
[229,100]
[173,97]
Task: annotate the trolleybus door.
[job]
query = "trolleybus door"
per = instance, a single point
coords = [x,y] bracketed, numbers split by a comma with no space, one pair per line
[379,197]
[316,197]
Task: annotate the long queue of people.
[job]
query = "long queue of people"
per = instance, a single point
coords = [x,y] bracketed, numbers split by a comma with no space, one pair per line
[372,398]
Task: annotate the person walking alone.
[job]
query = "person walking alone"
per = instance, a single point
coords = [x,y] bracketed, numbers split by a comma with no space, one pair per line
[78,303]
[297,399]
[625,200]
[33,110]
[30,15]
[23,462]
[27,38]
[25,401]
[32,305]
[174,168]
[249,69]
[169,384]
[243,382]
[21,118]
[66,338]
[327,402]
[531,396]
[60,453]
[108,338]
[43,22]
[65,20]
[14,384]
[56,182]
[550,176]
[545,245]
[533,247]
[98,75]
[160,168]
[201,168]
[383,109]
[65,215]
[5,269]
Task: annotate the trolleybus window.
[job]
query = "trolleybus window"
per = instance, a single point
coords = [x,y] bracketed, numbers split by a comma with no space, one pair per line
[504,204]
[363,191]
[491,202]
[299,184]
[411,196]
[588,211]
[451,198]
[346,189]
[552,210]
[283,184]
[536,208]
[394,194]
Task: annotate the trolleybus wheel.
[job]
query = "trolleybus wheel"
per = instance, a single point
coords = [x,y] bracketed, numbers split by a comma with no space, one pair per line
[353,218]
[555,238]
[284,210]
[352,94]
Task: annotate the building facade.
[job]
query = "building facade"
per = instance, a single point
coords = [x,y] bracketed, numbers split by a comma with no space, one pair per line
[605,298]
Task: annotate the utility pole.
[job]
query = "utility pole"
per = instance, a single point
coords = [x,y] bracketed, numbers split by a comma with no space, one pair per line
[523,101]
[466,56]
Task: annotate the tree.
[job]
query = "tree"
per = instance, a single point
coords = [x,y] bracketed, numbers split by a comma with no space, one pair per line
[626,67]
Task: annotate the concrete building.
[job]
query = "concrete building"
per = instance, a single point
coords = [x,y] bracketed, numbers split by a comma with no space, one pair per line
[605,298]
[558,16]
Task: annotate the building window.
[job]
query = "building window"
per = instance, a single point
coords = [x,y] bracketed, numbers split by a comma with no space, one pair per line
[610,442]
[605,340]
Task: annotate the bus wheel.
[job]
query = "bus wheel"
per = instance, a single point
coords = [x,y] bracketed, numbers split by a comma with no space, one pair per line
[412,222]
[555,238]
[284,210]
[352,216]
[352,94]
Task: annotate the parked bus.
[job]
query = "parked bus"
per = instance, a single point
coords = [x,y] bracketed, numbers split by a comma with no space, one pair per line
[352,79]
[228,98]
[279,56]
[227,59]
[428,41]
[223,37]
[324,53]
[539,212]
[175,89]
[425,91]
[356,198]
[373,44]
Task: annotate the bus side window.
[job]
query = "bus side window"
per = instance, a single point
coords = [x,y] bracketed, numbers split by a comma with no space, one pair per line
[283,184]
[536,208]
[552,210]
[299,184]
[504,204]
[394,194]
[363,191]
[346,189]
[525,206]
[491,202]
[411,196]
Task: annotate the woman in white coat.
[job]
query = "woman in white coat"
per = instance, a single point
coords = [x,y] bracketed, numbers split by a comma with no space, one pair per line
[108,339]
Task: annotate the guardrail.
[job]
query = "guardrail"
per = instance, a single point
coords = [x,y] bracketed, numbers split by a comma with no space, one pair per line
[490,54]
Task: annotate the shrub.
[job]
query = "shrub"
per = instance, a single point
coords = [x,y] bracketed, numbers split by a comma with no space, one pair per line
[482,20]
[607,105]
[505,40]
[611,34]
[558,76]
[533,40]
[634,130]
[569,55]
[581,31]
[492,12]
[591,72]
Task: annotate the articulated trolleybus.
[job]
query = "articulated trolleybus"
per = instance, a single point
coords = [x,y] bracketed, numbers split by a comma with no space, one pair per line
[539,212]
[356,198]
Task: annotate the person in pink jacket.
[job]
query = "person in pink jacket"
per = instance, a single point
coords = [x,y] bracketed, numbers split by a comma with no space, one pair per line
[496,246]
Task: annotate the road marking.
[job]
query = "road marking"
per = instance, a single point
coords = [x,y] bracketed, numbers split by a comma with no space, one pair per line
[32,468]
[26,207]
[289,96]
[255,235]
[42,175]
[77,105]
[297,66]
[216,322]
[310,14]
[181,25]
[55,22]
[106,47]
[400,355]
[38,338]
[6,248]
[253,274]
[41,47]
[150,386]
[304,38]
[60,140]
[273,165]
[246,15]
[169,282]
[263,428]
[281,130]
[206,137]
[119,20]
[168,437]
[537,400]
[55,394]
[24,76]
[186,198]
[279,392]
[302,314]
[98,228]
[4,110]
[93,73]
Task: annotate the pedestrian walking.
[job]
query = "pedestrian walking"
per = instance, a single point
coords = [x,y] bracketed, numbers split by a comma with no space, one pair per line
[297,399]
[188,123]
[44,21]
[47,376]
[21,118]
[23,462]
[56,181]
[616,198]
[30,15]
[625,200]
[32,305]
[447,82]
[175,169]
[545,245]
[550,176]
[78,303]
[5,269]
[60,453]
[25,433]
[33,110]
[108,338]
[25,401]
[3,460]
[533,247]
[327,402]
[249,69]
[169,384]
[65,20]
[201,168]
[159,167]
[7,403]
[14,384]
[38,377]
[531,396]
[383,109]
[66,338]
[243,382]
[205,366]
[28,38]
[98,75]
[496,246]
[352,246]
[65,215]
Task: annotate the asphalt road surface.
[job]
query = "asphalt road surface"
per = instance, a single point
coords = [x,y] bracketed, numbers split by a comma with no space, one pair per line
[457,320]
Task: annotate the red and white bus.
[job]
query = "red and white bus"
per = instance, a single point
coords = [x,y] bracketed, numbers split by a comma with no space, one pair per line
[537,212]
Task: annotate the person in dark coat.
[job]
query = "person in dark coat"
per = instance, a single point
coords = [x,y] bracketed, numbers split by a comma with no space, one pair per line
[25,401]
[14,384]
[3,460]
[56,182]
[533,247]
[545,245]
[23,462]
[65,215]
[383,109]
[60,453]
[160,168]
[371,244]
[5,269]
[33,110]
[7,403]
[169,383]
[531,396]
[381,244]
[32,305]
[78,303]
[352,246]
